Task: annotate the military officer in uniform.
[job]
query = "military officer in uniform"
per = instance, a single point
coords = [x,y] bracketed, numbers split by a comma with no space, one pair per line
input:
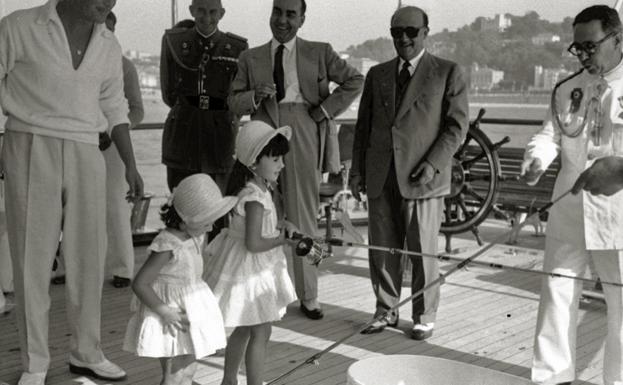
[196,69]
[584,125]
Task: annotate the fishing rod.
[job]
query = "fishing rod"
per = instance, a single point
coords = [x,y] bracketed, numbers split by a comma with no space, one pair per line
[313,360]
[445,257]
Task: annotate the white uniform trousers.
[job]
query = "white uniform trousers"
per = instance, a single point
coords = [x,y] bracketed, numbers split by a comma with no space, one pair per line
[52,185]
[120,254]
[557,320]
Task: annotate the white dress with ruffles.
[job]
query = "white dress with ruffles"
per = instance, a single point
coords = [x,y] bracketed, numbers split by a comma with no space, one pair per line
[179,285]
[251,288]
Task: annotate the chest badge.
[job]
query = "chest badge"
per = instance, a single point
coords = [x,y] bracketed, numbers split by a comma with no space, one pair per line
[620,99]
[576,99]
[186,48]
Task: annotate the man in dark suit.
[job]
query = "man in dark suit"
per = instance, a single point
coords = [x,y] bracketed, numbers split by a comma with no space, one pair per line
[286,82]
[413,115]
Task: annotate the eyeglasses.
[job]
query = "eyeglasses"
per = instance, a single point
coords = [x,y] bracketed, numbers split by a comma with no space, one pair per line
[588,47]
[411,32]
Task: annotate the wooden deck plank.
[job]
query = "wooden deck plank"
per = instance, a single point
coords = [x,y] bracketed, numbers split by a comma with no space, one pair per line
[486,318]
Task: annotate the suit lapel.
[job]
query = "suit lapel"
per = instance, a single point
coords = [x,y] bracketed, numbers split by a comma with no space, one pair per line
[417,85]
[388,87]
[263,72]
[305,68]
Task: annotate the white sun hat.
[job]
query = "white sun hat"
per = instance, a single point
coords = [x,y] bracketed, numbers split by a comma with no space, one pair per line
[199,202]
[253,136]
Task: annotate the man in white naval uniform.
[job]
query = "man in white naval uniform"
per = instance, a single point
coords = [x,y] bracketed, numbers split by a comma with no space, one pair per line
[584,123]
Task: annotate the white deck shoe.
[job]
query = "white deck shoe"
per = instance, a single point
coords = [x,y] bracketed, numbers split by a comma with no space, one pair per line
[104,370]
[32,378]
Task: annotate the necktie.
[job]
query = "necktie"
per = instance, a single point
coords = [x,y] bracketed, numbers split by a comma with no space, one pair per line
[401,83]
[278,75]
[404,76]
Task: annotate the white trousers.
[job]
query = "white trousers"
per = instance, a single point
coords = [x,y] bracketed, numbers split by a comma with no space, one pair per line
[555,340]
[120,254]
[55,185]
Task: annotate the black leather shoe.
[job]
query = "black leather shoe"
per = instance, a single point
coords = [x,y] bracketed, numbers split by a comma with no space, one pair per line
[564,383]
[376,327]
[60,280]
[314,314]
[421,335]
[379,326]
[120,282]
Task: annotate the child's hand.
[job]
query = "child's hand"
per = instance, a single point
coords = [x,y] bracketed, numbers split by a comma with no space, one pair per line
[174,320]
[289,228]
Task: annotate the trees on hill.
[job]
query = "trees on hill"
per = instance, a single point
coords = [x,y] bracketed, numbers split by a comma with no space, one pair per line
[511,50]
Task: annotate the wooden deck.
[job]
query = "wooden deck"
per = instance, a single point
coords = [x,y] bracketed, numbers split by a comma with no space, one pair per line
[486,318]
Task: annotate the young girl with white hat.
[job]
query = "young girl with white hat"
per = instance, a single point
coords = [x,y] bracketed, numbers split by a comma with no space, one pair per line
[245,264]
[177,318]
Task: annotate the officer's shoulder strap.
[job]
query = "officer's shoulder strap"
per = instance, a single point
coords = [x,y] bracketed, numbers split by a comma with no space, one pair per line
[236,37]
[175,30]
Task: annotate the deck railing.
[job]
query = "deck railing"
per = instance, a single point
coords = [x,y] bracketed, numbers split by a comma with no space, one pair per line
[145,236]
[340,121]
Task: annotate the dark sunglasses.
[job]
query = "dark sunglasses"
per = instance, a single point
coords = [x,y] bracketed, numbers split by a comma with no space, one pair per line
[588,47]
[411,32]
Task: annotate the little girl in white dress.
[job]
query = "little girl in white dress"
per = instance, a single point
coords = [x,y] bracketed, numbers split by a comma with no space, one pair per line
[245,264]
[177,318]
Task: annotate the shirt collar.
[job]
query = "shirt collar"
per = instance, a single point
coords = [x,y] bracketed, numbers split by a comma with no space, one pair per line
[205,36]
[615,73]
[413,62]
[49,14]
[289,45]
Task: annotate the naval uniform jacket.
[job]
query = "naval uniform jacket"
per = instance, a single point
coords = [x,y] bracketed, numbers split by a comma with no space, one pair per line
[195,77]
[583,220]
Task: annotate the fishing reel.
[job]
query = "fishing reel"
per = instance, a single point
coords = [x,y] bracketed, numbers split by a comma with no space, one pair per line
[310,249]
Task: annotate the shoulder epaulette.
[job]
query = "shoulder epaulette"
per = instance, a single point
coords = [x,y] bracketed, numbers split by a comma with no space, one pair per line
[236,37]
[175,30]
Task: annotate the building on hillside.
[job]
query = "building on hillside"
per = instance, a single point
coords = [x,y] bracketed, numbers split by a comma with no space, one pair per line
[546,78]
[484,78]
[138,55]
[148,75]
[499,23]
[441,48]
[543,38]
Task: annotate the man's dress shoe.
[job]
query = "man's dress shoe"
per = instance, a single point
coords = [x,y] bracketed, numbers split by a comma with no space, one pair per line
[104,370]
[421,332]
[120,282]
[379,326]
[314,314]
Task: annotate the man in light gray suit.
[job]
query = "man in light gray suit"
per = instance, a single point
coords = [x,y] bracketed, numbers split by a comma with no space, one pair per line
[286,82]
[413,116]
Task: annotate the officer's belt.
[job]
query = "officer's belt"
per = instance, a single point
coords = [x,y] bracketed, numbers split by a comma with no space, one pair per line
[213,104]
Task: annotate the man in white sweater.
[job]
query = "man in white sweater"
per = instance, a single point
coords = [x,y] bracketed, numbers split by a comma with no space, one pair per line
[61,84]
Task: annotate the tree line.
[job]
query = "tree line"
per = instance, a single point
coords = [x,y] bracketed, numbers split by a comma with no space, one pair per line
[510,50]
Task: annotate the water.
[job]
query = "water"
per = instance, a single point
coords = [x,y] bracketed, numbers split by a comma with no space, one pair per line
[147,143]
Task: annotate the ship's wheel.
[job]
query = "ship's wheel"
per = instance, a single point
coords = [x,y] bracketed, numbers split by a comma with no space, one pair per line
[475,183]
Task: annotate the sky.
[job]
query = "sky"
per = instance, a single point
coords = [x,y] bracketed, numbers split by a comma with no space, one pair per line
[141,23]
